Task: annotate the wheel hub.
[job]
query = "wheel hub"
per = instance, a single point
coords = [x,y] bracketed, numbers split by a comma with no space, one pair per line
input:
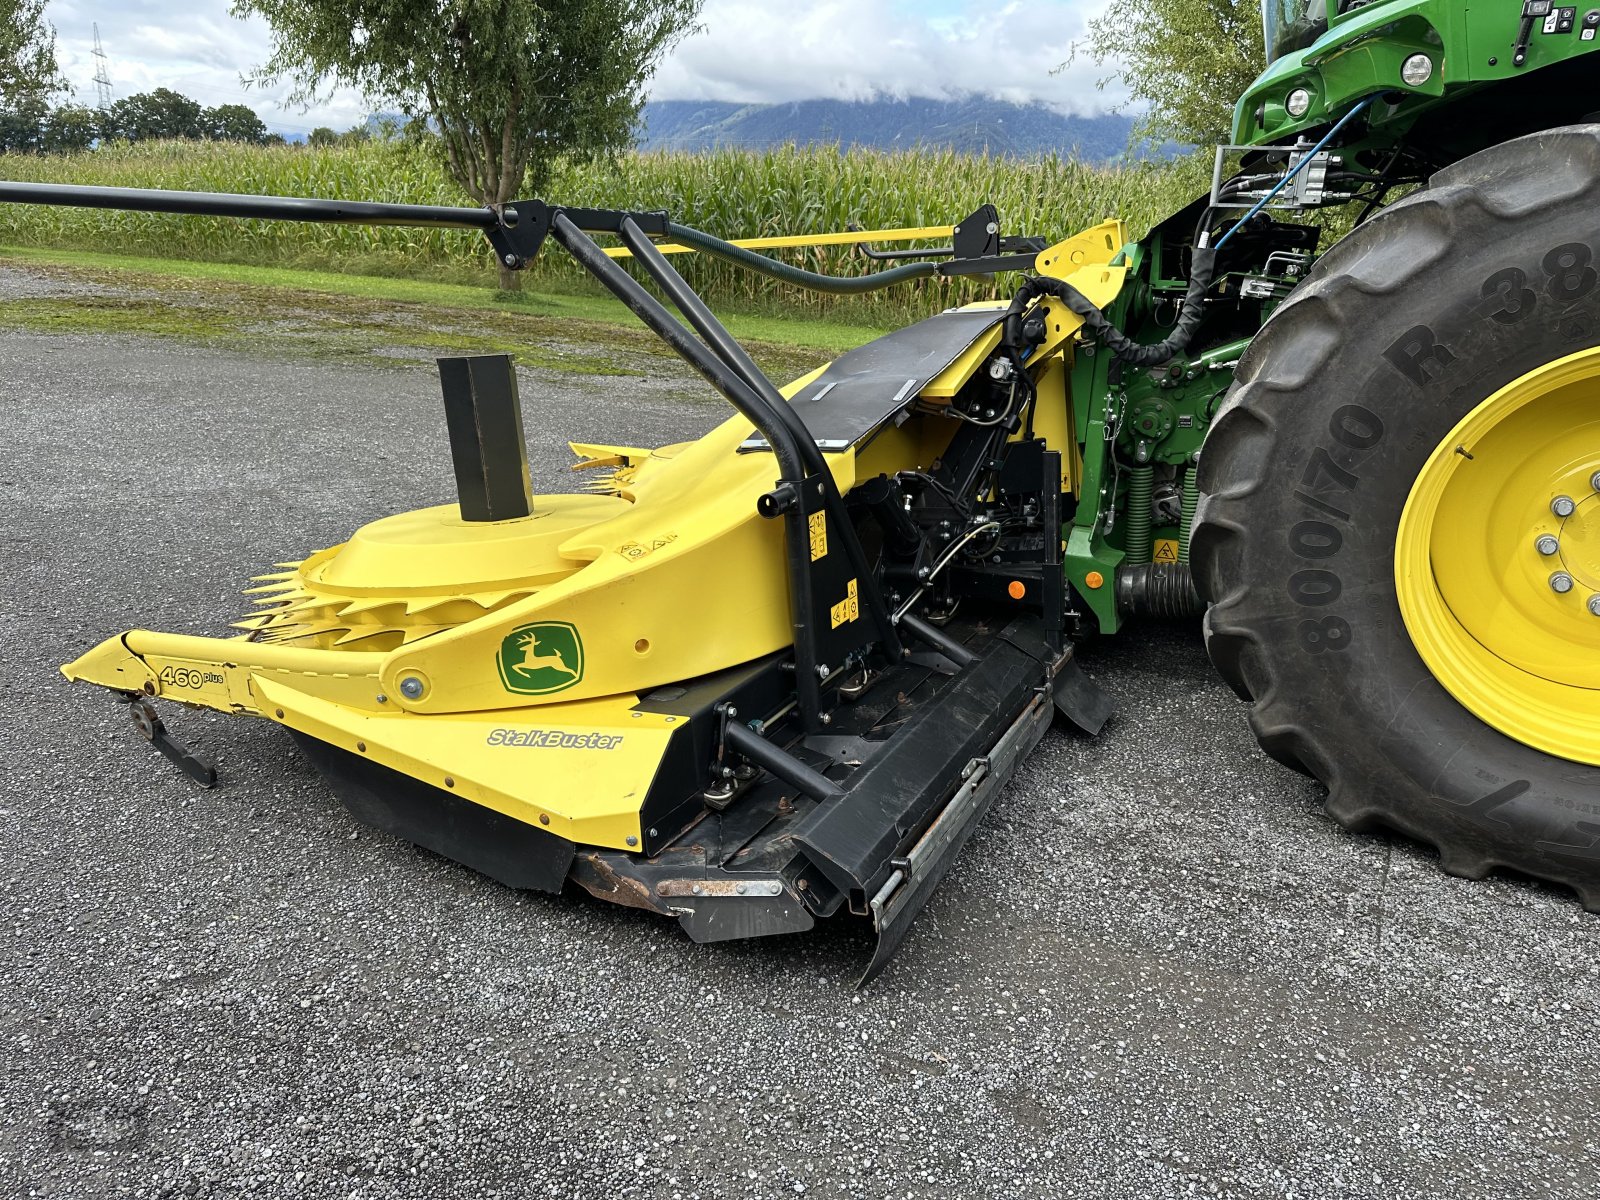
[1497,561]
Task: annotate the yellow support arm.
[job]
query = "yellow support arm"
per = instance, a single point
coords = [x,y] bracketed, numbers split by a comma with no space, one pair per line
[848,238]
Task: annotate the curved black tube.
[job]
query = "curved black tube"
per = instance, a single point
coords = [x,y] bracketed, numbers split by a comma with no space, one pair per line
[838,285]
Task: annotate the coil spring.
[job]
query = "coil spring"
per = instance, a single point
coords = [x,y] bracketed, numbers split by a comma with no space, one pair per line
[1141,499]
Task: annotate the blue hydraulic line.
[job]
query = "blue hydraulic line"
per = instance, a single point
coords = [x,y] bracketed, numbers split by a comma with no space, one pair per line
[1305,161]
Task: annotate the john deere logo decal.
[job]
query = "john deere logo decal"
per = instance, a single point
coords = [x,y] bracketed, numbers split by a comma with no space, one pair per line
[544,657]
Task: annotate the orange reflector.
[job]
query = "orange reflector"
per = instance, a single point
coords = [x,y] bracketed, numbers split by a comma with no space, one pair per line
[1094,579]
[1017,589]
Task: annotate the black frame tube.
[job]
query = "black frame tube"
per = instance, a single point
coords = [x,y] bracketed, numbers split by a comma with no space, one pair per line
[723,343]
[780,763]
[654,314]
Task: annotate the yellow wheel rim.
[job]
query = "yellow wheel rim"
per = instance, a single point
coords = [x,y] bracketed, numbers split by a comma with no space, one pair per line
[1497,561]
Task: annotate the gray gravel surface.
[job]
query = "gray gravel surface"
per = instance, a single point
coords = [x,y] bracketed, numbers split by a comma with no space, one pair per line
[1158,971]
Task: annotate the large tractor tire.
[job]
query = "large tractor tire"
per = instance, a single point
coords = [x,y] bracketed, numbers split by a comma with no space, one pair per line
[1399,530]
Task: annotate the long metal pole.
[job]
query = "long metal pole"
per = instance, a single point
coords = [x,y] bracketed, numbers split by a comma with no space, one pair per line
[272,208]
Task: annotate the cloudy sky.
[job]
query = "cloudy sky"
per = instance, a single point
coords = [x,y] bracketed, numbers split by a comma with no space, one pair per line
[749,50]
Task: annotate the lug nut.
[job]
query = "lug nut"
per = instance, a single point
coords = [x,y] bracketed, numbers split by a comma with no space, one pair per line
[1594,604]
[1547,545]
[1561,583]
[1563,506]
[1594,481]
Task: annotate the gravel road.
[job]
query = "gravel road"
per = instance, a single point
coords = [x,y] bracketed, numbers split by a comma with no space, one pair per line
[1158,971]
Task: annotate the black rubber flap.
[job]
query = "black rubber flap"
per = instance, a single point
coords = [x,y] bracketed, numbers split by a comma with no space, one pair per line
[863,388]
[506,850]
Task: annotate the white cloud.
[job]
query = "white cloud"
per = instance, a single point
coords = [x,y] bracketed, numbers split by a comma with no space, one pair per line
[854,50]
[749,51]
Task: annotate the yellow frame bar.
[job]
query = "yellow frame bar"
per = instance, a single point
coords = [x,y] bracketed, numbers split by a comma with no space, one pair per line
[810,239]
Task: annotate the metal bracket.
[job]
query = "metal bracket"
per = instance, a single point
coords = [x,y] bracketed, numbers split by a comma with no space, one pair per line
[523,226]
[196,766]
[753,888]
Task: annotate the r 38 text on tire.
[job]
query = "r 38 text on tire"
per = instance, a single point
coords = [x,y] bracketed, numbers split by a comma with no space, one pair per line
[1569,276]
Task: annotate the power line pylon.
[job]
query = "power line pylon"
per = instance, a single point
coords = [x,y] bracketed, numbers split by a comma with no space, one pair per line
[102,77]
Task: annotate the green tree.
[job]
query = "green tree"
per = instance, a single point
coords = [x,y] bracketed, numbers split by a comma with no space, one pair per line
[510,85]
[322,136]
[69,129]
[1188,60]
[22,124]
[27,53]
[147,116]
[234,123]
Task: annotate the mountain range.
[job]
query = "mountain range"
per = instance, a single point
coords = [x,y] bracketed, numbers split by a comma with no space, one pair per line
[972,125]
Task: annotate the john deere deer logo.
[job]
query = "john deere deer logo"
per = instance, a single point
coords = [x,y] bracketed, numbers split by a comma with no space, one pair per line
[544,657]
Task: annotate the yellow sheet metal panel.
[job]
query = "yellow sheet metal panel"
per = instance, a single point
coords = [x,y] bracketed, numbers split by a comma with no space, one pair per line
[111,665]
[948,382]
[688,580]
[579,770]
[1052,419]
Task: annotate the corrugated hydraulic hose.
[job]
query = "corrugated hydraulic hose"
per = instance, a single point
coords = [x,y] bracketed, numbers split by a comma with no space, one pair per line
[1202,265]
[839,285]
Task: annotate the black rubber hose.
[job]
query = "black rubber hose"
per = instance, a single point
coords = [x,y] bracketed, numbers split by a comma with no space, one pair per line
[1125,348]
[838,285]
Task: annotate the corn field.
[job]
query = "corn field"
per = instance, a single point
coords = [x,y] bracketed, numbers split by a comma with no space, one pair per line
[730,193]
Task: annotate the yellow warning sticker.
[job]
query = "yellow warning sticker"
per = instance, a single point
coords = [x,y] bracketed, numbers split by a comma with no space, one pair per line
[1166,550]
[818,524]
[847,609]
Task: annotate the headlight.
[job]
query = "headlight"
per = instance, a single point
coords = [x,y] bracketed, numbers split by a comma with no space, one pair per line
[1298,103]
[1417,70]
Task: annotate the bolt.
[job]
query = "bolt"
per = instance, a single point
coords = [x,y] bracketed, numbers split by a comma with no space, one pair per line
[652,833]
[698,890]
[1563,506]
[826,718]
[1561,583]
[631,840]
[1594,481]
[411,687]
[1546,545]
[1594,604]
[740,888]
[822,671]
[382,699]
[510,260]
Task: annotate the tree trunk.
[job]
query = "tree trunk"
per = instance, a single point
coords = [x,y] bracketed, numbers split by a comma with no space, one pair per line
[510,281]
